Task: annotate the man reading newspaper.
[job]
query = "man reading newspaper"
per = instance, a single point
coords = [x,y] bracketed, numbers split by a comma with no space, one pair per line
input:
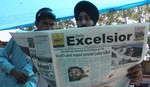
[86,14]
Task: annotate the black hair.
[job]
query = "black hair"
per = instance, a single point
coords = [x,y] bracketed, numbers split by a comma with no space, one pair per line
[44,13]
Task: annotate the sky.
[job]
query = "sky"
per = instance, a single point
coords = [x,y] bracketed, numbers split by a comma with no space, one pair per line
[5,36]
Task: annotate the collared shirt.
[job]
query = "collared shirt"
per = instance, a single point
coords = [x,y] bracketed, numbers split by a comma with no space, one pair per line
[12,56]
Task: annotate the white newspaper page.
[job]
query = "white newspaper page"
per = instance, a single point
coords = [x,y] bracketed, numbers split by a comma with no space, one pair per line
[97,56]
[37,46]
[86,57]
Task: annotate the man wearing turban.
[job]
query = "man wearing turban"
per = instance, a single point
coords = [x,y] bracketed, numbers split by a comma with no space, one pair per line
[86,15]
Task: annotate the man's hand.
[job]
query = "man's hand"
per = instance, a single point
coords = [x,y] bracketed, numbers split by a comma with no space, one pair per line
[135,74]
[20,76]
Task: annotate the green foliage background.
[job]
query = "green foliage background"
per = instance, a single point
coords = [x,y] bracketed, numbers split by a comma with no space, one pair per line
[134,15]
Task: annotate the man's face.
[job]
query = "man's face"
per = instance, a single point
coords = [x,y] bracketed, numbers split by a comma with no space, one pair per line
[84,20]
[45,24]
[75,73]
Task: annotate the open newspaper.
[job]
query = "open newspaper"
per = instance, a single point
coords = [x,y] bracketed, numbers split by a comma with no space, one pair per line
[86,57]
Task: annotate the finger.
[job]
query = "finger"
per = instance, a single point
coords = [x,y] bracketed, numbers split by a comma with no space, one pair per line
[135,74]
[135,68]
[23,78]
[138,66]
[135,81]
[21,81]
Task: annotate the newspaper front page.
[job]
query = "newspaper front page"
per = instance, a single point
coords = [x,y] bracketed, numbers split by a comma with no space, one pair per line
[86,57]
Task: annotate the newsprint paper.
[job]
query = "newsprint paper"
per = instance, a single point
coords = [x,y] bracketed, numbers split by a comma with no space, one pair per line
[86,57]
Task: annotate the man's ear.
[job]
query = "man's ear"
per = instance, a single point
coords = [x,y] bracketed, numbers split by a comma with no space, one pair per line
[36,23]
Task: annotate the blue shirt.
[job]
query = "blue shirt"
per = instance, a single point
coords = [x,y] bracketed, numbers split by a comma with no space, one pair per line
[1,49]
[12,56]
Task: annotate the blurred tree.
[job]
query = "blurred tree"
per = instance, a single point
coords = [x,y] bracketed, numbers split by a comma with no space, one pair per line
[134,15]
[70,23]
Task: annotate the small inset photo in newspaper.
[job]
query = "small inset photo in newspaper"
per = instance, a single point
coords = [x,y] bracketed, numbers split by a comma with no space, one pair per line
[76,73]
[123,54]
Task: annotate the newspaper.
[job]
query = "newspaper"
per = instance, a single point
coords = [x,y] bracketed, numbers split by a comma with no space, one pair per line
[86,57]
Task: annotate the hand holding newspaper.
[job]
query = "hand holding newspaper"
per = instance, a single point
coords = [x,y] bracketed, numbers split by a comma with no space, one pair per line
[86,57]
